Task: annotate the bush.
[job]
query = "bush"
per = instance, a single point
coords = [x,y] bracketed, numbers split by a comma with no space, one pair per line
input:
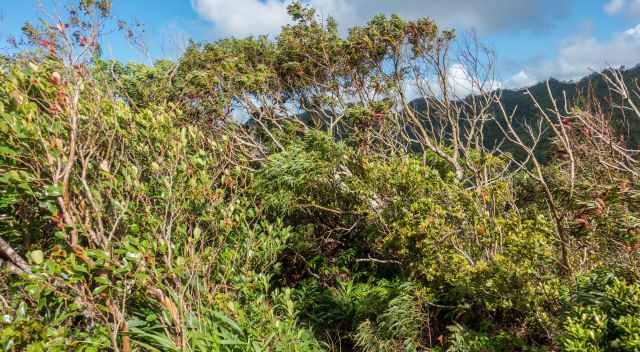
[605,317]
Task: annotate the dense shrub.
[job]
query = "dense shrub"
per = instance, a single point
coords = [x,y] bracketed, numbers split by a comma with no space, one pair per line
[137,215]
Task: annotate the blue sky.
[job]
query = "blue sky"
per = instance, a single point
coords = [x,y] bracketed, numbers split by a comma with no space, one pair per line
[534,39]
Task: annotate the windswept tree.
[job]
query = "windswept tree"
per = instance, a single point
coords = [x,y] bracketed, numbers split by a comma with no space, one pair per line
[387,85]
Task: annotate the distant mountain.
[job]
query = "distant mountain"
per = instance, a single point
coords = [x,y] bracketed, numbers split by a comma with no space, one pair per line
[576,92]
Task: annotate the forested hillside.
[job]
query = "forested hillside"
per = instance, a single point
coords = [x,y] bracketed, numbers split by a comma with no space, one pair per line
[590,90]
[139,213]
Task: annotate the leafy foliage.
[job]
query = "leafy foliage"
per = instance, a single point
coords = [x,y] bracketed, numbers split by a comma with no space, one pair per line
[137,215]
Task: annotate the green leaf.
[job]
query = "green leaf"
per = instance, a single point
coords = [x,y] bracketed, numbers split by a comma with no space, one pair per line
[6,151]
[99,289]
[37,257]
[54,191]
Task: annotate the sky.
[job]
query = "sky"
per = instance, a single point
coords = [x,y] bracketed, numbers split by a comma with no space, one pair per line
[533,39]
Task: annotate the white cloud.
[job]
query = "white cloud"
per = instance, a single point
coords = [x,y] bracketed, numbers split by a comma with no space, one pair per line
[628,7]
[242,18]
[633,33]
[519,80]
[245,17]
[462,83]
[614,7]
[581,56]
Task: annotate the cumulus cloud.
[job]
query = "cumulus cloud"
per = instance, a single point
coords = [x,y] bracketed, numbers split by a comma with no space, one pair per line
[245,17]
[484,16]
[581,56]
[460,84]
[242,18]
[519,80]
[614,7]
[628,7]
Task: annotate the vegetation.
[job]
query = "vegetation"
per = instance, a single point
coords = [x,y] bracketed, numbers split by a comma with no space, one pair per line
[364,205]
